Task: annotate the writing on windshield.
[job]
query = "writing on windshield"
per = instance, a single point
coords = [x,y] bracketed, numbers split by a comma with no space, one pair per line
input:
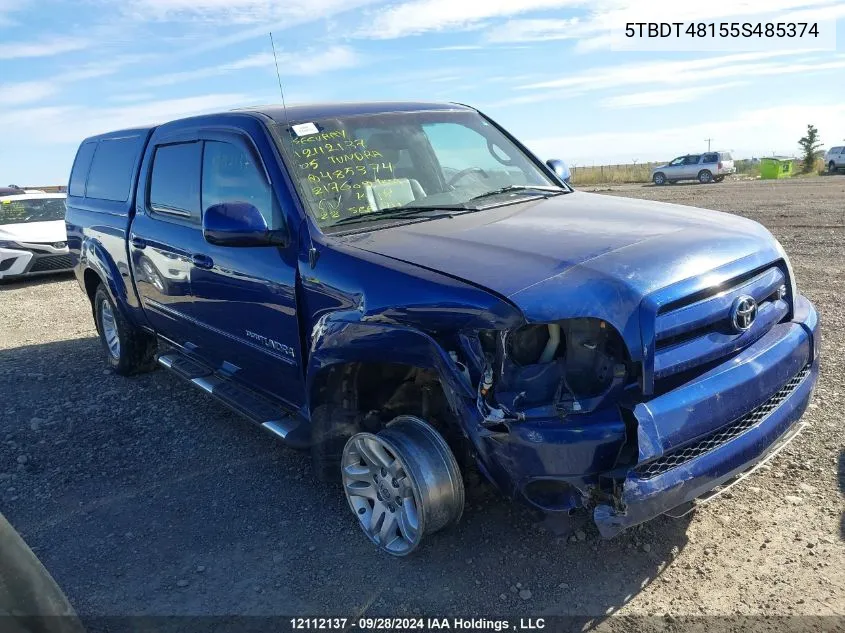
[357,165]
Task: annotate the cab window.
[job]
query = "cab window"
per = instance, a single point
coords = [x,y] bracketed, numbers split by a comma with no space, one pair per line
[175,181]
[231,174]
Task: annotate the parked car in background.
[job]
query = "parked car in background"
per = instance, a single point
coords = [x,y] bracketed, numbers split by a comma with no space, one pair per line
[834,159]
[10,190]
[33,240]
[705,168]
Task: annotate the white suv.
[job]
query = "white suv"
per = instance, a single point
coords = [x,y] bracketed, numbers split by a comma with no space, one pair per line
[834,159]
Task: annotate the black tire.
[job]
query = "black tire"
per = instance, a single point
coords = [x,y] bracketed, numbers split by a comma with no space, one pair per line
[719,178]
[705,177]
[136,351]
[831,167]
[331,427]
[659,178]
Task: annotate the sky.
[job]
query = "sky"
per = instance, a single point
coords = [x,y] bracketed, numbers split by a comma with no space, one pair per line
[553,72]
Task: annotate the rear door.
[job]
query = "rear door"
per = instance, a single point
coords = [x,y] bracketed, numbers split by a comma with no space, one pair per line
[165,232]
[244,297]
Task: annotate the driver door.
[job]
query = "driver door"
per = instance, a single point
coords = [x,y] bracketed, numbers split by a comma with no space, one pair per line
[690,169]
[674,170]
[244,297]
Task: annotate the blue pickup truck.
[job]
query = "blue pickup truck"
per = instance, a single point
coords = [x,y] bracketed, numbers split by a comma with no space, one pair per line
[409,293]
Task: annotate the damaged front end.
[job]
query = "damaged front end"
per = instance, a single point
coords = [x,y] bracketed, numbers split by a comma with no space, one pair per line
[564,420]
[552,400]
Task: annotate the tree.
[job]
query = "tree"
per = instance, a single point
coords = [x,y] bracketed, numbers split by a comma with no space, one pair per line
[809,145]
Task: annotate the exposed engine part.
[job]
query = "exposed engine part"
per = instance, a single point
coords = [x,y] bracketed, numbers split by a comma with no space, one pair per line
[551,347]
[464,371]
[487,381]
[402,483]
[526,345]
[573,366]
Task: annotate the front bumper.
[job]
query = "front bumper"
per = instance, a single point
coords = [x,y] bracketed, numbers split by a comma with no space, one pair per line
[19,262]
[740,410]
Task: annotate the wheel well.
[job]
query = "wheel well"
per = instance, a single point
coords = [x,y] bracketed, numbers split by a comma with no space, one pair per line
[91,280]
[382,391]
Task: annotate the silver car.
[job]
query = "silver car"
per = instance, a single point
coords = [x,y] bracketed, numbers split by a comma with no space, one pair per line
[834,159]
[705,168]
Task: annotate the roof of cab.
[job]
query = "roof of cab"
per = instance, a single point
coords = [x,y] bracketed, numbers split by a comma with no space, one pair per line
[135,131]
[305,112]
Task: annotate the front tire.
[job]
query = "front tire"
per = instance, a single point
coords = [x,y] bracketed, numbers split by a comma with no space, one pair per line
[705,177]
[659,179]
[129,350]
[402,483]
[831,167]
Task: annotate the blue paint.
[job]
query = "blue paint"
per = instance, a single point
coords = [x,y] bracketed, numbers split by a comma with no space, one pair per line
[277,314]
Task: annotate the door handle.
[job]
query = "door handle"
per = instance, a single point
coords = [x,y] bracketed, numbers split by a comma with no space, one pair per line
[138,243]
[202,261]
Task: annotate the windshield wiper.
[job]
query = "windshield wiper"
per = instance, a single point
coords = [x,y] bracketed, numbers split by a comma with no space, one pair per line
[546,190]
[394,213]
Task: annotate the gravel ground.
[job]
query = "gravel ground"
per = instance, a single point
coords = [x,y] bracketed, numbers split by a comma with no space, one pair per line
[144,496]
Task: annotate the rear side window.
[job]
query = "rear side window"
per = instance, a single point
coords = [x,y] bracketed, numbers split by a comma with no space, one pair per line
[111,170]
[80,169]
[175,180]
[710,158]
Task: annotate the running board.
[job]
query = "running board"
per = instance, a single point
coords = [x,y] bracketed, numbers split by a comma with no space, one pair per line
[256,408]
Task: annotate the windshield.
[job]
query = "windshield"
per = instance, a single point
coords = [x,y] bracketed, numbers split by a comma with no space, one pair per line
[39,210]
[352,166]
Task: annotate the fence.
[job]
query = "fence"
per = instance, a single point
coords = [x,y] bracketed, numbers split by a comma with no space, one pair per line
[599,174]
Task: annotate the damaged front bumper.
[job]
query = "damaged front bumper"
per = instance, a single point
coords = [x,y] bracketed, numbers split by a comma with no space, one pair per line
[690,440]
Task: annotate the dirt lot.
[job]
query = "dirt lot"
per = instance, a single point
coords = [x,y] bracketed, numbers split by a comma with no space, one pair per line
[144,496]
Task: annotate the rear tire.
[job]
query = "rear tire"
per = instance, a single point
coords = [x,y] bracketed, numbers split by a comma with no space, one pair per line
[129,350]
[705,177]
[659,179]
[831,167]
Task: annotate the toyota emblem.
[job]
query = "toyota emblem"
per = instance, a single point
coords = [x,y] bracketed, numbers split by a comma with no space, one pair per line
[743,313]
[59,244]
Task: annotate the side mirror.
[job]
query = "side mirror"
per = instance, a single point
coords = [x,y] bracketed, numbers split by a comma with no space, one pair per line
[560,169]
[238,224]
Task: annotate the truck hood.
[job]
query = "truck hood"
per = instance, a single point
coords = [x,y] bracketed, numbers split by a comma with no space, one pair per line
[50,231]
[588,246]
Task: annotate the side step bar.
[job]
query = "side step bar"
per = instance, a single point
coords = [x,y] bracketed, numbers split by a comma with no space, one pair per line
[261,411]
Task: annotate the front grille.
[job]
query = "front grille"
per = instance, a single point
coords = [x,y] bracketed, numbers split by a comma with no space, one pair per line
[52,262]
[692,331]
[714,440]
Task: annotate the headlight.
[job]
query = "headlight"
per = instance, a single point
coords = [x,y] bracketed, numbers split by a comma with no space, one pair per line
[5,244]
